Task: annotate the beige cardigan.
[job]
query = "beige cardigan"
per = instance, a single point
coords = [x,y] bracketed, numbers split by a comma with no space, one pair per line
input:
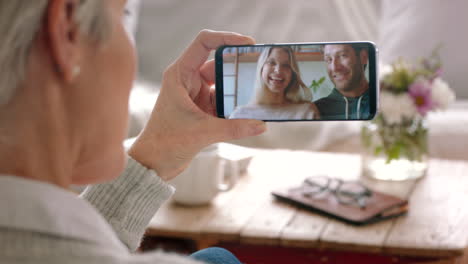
[42,223]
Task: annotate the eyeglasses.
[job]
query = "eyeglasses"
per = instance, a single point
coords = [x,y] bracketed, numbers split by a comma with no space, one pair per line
[346,192]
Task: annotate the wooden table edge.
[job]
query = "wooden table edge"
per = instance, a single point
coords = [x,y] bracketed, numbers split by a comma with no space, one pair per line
[430,253]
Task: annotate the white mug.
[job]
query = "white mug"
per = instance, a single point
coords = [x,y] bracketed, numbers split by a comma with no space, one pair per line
[204,178]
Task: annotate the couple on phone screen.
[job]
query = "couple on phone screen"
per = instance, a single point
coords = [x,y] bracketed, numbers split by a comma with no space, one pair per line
[281,94]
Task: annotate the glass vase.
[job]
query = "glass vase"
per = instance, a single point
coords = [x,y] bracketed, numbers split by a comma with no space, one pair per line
[395,152]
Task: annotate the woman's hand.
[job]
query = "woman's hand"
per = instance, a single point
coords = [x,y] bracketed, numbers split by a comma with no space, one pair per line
[183,120]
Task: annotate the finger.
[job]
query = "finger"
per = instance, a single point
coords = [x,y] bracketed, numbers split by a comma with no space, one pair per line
[224,130]
[206,41]
[207,72]
[203,100]
[213,100]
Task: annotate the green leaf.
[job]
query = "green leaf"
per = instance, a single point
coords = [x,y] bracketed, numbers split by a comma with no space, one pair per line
[378,150]
[394,152]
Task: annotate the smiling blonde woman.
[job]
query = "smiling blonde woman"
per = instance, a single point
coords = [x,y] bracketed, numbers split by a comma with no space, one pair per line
[66,70]
[280,93]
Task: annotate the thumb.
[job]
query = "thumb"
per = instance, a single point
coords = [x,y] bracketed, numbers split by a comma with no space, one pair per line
[236,128]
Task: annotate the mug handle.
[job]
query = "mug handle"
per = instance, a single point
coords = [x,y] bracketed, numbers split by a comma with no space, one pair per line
[227,182]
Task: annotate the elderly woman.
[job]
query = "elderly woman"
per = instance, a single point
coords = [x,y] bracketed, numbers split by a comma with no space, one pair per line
[67,67]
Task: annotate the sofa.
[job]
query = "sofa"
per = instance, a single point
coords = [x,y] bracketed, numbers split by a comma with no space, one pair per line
[398,27]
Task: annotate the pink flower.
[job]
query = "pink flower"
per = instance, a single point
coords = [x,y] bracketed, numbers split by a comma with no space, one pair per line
[438,73]
[421,93]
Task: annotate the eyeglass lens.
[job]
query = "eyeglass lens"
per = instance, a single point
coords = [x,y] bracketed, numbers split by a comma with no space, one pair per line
[345,192]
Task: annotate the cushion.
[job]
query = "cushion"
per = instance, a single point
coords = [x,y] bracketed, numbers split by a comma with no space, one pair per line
[142,100]
[413,29]
[448,131]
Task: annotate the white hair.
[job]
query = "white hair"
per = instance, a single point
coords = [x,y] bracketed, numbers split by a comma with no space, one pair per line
[20,20]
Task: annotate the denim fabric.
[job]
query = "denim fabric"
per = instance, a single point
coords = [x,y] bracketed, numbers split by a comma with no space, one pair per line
[215,255]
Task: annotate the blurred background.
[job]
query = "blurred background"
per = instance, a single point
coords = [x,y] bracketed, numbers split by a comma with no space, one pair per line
[400,28]
[166,27]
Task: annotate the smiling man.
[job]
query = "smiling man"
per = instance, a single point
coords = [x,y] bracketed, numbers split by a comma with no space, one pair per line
[346,64]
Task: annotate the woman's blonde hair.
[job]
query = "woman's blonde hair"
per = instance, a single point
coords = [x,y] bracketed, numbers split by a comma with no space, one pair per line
[296,91]
[20,20]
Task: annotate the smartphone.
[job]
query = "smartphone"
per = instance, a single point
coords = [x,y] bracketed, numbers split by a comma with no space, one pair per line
[297,81]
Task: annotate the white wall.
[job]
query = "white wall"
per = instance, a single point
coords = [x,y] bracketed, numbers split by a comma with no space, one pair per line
[166,27]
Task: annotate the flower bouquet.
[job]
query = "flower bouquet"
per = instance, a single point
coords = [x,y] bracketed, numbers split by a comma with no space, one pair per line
[395,142]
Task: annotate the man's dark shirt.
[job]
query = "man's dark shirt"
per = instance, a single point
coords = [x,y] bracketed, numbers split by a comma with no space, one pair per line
[338,107]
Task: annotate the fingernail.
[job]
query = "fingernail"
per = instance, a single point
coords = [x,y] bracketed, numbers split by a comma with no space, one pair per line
[257,127]
[252,39]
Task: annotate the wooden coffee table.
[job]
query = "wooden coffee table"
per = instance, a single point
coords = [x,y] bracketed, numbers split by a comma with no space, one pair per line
[436,226]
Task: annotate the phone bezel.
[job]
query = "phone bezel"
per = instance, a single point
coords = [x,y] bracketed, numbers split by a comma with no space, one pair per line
[373,77]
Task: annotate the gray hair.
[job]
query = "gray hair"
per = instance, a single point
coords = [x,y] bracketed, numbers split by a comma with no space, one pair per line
[20,20]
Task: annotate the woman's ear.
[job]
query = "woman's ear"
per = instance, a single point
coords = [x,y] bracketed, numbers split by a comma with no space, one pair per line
[64,37]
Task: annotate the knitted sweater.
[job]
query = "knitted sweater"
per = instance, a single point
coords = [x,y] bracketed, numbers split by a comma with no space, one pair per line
[42,223]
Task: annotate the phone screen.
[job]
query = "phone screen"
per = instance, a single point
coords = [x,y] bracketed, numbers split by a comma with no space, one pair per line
[297,82]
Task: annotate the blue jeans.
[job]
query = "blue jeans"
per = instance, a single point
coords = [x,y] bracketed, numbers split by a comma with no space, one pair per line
[215,255]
